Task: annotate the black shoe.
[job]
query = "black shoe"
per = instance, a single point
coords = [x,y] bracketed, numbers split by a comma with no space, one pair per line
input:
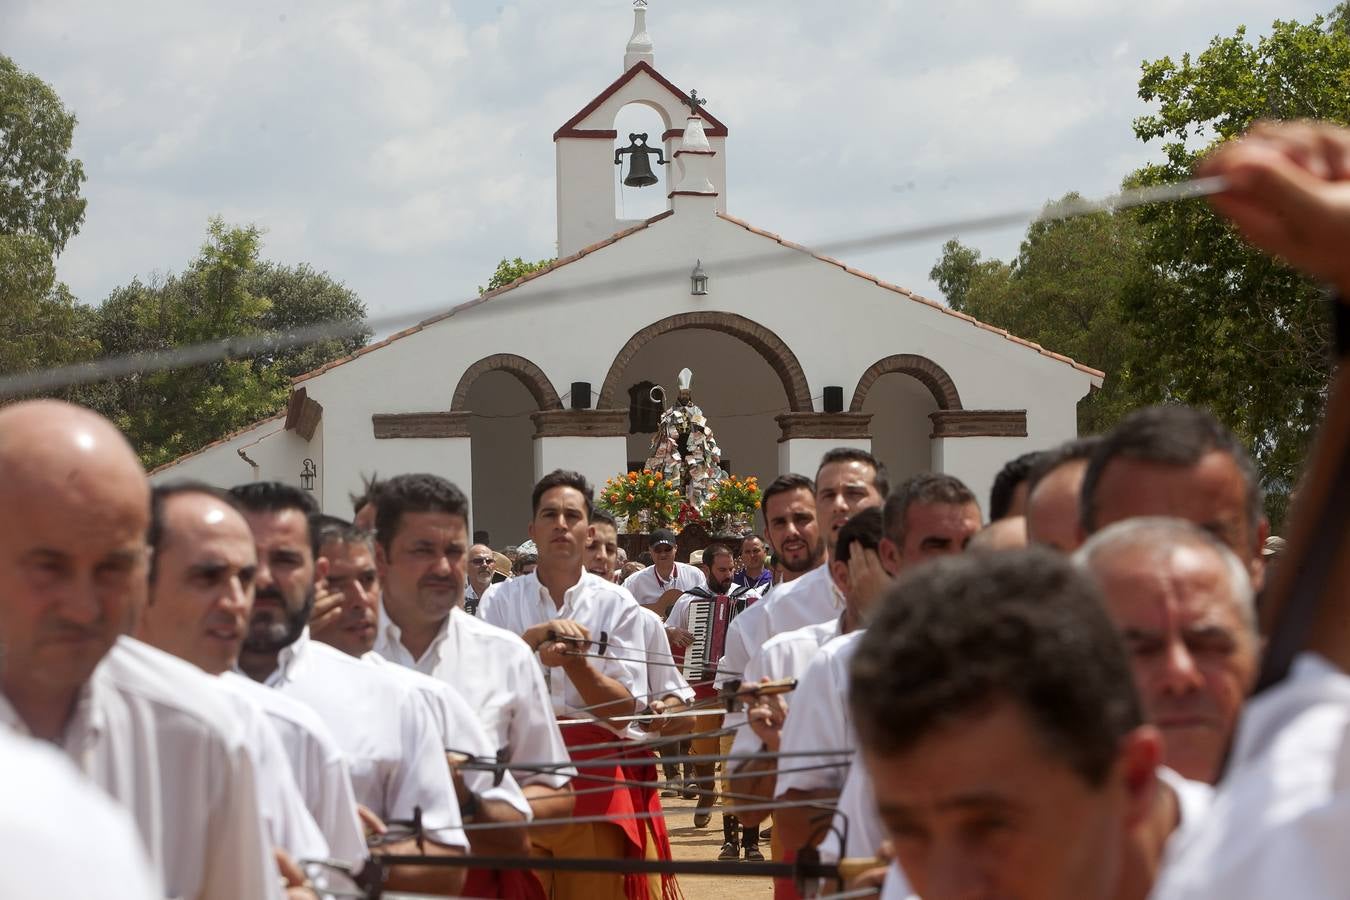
[690,791]
[730,851]
[752,854]
[702,818]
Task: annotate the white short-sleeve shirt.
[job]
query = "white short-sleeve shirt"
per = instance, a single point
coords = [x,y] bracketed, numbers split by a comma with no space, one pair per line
[386,730]
[60,835]
[600,606]
[647,587]
[289,823]
[819,720]
[159,736]
[1277,824]
[318,764]
[460,731]
[502,681]
[784,655]
[663,677]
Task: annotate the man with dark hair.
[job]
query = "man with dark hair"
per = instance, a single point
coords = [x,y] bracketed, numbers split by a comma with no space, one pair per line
[365,503]
[1008,496]
[790,655]
[753,572]
[201,592]
[602,546]
[422,625]
[386,729]
[589,638]
[141,724]
[1178,461]
[666,577]
[927,516]
[1054,491]
[525,564]
[1006,758]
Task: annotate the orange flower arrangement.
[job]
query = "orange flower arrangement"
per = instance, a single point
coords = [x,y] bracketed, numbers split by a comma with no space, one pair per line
[632,493]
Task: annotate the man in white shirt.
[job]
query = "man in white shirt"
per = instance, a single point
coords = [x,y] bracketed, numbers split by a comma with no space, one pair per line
[422,625]
[480,562]
[201,590]
[666,573]
[602,547]
[397,763]
[149,729]
[588,636]
[1183,603]
[60,835]
[350,557]
[1006,760]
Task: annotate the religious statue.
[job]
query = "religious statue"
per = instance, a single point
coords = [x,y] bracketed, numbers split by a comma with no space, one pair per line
[684,450]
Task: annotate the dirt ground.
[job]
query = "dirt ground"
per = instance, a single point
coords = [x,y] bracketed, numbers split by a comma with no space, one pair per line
[688,842]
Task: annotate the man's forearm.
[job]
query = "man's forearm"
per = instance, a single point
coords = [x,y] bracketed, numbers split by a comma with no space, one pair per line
[800,826]
[549,803]
[504,841]
[760,787]
[605,696]
[425,879]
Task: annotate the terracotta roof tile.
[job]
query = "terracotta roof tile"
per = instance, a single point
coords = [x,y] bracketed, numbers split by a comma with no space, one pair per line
[942,307]
[216,443]
[495,292]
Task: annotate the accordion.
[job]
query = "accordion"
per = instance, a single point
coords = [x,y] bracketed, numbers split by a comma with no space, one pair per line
[709,616]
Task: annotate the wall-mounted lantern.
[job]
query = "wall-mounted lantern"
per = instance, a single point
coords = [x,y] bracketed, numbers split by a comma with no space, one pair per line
[307,472]
[698,280]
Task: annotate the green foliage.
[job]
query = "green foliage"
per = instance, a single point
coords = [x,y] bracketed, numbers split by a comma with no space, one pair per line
[42,324]
[227,291]
[1233,329]
[39,182]
[1063,291]
[508,270]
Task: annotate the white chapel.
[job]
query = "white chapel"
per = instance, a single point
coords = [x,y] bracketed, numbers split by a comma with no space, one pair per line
[557,369]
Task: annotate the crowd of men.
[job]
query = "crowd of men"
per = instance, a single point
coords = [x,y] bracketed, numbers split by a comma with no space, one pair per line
[227,694]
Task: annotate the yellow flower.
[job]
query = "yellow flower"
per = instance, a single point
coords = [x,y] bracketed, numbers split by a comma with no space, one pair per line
[756,504]
[651,483]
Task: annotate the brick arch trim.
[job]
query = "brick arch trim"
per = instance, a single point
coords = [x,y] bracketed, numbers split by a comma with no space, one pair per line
[526,372]
[929,373]
[767,344]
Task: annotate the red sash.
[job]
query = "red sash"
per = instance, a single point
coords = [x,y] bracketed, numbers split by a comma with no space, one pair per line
[630,765]
[513,884]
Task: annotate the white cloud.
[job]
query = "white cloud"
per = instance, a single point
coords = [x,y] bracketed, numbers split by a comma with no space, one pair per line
[405,146]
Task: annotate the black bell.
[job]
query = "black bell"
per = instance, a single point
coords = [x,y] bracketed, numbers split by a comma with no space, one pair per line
[639,162]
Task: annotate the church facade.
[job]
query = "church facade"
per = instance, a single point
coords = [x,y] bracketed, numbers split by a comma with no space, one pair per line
[792,352]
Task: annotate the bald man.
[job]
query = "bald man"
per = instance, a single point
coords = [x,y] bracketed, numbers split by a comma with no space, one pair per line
[151,730]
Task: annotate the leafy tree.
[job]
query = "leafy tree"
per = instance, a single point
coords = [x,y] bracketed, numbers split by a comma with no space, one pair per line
[1226,327]
[508,270]
[226,292]
[39,182]
[1063,291]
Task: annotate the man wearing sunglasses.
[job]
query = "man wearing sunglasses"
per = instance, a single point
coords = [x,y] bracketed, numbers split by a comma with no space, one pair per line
[481,559]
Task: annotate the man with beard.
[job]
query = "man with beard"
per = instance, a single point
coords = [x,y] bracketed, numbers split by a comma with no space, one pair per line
[201,592]
[848,480]
[422,625]
[141,724]
[398,766]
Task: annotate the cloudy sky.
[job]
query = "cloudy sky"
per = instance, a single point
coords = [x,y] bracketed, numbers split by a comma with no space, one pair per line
[405,146]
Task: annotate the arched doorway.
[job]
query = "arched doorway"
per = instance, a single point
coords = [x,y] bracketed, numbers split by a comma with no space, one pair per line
[900,392]
[744,377]
[500,392]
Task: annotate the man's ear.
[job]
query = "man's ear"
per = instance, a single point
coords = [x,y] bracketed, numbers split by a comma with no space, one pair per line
[381,561]
[839,575]
[321,567]
[1140,755]
[889,553]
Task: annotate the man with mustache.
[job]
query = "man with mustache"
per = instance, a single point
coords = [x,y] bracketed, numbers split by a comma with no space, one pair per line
[1184,605]
[350,556]
[201,592]
[419,551]
[141,724]
[481,561]
[397,764]
[666,573]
